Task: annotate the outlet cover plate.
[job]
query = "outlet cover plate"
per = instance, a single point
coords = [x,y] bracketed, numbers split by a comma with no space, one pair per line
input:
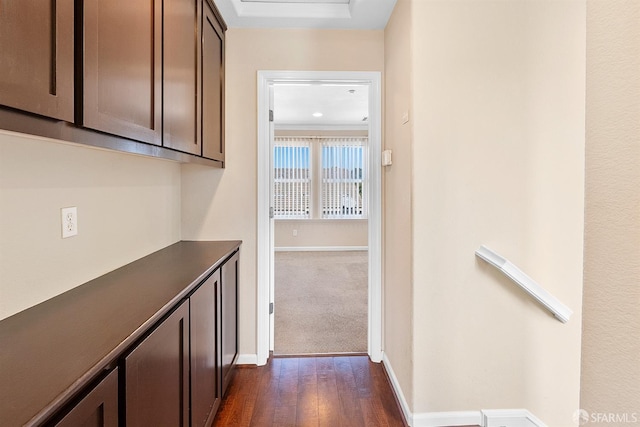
[69,218]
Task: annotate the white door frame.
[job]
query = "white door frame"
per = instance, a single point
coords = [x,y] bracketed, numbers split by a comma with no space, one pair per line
[264,239]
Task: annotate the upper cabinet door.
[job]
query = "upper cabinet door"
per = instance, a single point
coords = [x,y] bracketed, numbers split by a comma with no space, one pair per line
[122,91]
[36,56]
[181,127]
[212,85]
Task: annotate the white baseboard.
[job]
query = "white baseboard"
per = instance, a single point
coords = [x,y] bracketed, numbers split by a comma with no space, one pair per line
[484,418]
[510,418]
[247,359]
[396,388]
[320,248]
[447,419]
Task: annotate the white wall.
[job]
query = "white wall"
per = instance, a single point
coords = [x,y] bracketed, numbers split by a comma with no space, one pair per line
[128,207]
[611,323]
[498,159]
[316,233]
[223,204]
[398,289]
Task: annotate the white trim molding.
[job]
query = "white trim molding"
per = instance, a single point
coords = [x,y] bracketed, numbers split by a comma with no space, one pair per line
[406,410]
[329,14]
[374,80]
[320,248]
[551,303]
[247,359]
[264,233]
[375,214]
[484,418]
[510,418]
[447,419]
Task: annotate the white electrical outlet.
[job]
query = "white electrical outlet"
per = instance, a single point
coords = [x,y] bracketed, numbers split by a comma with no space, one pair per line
[69,218]
[295,233]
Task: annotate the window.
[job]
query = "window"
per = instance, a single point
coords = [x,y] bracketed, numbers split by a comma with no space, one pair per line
[320,178]
[291,178]
[343,184]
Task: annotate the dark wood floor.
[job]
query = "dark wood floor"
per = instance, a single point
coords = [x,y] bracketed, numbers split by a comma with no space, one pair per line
[310,391]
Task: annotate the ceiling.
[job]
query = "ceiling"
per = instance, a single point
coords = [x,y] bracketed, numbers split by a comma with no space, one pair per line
[329,14]
[341,105]
[294,104]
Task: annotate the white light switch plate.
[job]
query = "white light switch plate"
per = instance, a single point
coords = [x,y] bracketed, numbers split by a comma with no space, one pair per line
[386,158]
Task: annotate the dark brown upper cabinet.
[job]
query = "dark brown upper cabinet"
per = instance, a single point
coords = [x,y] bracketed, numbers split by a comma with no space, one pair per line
[36,57]
[140,72]
[181,127]
[212,85]
[122,68]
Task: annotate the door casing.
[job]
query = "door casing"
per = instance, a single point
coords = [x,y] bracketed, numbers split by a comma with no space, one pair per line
[265,266]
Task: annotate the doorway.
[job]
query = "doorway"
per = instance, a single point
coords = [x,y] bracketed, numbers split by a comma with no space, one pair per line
[320,302]
[265,319]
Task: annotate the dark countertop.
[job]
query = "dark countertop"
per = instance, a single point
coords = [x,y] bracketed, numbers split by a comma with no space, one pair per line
[51,351]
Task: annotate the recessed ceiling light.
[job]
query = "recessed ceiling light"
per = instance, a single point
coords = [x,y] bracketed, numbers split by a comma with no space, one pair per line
[352,91]
[317,114]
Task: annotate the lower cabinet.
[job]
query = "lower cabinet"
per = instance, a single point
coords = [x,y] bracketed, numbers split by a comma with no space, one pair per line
[206,391]
[157,375]
[99,408]
[179,372]
[229,318]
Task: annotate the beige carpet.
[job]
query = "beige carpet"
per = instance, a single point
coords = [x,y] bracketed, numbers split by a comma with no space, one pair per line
[320,302]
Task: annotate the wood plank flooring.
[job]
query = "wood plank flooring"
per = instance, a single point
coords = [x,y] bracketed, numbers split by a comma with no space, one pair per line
[326,391]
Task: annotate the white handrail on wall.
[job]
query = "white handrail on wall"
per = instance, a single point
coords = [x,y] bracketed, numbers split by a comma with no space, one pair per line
[561,311]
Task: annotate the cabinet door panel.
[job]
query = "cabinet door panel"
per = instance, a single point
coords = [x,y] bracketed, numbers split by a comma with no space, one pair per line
[212,86]
[205,376]
[181,76]
[122,68]
[36,64]
[229,318]
[99,408]
[157,375]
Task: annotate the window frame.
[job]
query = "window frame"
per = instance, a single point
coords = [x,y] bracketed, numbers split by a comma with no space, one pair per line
[316,180]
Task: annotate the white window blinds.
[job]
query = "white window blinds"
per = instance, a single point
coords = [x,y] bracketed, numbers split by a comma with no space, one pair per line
[320,177]
[292,178]
[344,178]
